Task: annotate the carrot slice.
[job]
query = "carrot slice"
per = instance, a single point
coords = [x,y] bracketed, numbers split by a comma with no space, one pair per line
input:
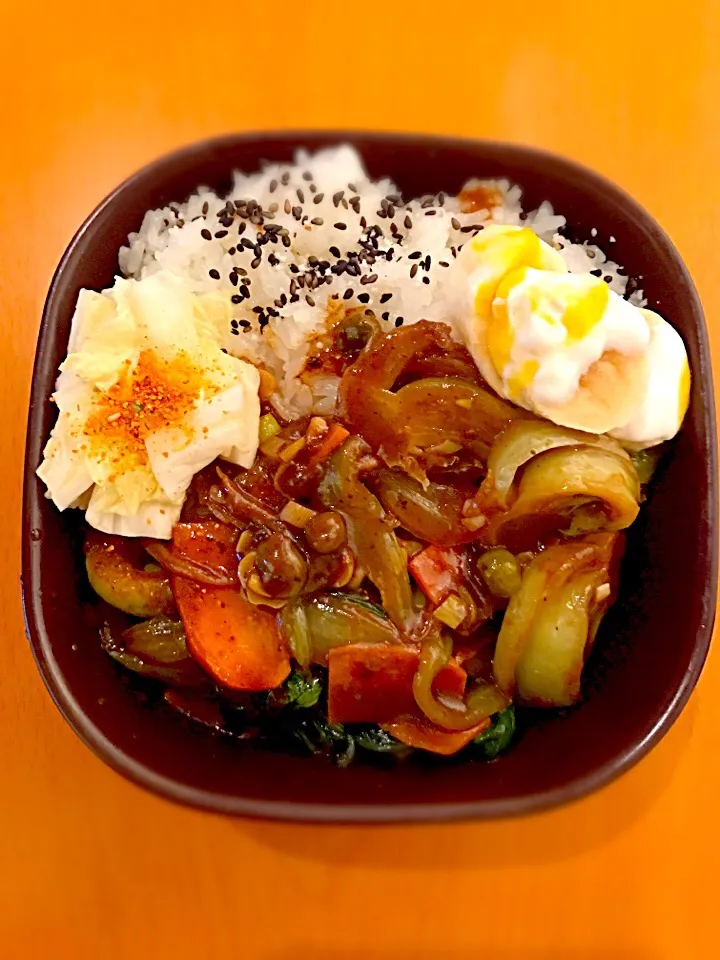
[419,732]
[334,437]
[372,683]
[208,542]
[238,643]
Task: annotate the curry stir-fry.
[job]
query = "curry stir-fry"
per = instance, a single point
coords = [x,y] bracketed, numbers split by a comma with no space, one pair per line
[397,576]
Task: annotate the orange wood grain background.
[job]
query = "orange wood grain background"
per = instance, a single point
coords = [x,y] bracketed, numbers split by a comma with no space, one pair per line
[91,866]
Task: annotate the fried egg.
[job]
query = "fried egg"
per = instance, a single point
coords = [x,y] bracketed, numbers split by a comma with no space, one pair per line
[565,346]
[146,398]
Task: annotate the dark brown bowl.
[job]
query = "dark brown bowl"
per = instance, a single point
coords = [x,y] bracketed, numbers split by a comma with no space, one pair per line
[651,648]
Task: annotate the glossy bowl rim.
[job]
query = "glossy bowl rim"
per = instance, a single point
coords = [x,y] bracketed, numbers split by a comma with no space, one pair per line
[168,788]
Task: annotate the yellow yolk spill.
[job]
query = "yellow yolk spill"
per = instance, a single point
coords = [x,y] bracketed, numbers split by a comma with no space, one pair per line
[585,311]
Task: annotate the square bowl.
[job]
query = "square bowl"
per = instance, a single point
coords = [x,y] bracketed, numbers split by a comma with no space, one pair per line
[652,644]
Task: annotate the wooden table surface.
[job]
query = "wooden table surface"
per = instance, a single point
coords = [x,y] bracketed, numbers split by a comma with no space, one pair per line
[91,866]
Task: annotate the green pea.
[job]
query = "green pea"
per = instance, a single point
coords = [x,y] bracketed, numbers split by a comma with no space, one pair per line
[500,571]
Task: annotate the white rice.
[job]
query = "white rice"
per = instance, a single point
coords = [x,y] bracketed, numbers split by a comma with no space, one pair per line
[172,239]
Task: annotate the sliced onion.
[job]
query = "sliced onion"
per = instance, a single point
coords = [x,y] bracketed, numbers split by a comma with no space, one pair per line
[432,512]
[425,413]
[156,649]
[552,619]
[522,441]
[480,703]
[314,627]
[183,567]
[370,532]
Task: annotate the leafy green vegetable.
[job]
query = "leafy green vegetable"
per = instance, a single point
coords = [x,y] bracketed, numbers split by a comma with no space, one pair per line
[497,737]
[319,736]
[303,689]
[378,741]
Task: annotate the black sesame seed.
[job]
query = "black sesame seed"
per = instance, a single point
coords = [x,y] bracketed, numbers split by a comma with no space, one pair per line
[385,297]
[219,234]
[309,300]
[248,244]
[274,207]
[205,208]
[413,271]
[241,228]
[285,179]
[391,211]
[286,240]
[596,273]
[337,197]
[235,332]
[352,187]
[415,255]
[257,309]
[318,198]
[607,279]
[293,288]
[426,279]
[215,274]
[244,291]
[340,226]
[234,278]
[443,263]
[407,223]
[348,293]
[256,219]
[205,234]
[426,262]
[273,186]
[255,263]
[427,202]
[399,321]
[334,251]
[430,213]
[455,223]
[287,206]
[364,297]
[273,260]
[363,222]
[344,204]
[307,175]
[300,195]
[257,250]
[297,212]
[313,188]
[317,221]
[236,298]
[390,253]
[370,279]
[386,315]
